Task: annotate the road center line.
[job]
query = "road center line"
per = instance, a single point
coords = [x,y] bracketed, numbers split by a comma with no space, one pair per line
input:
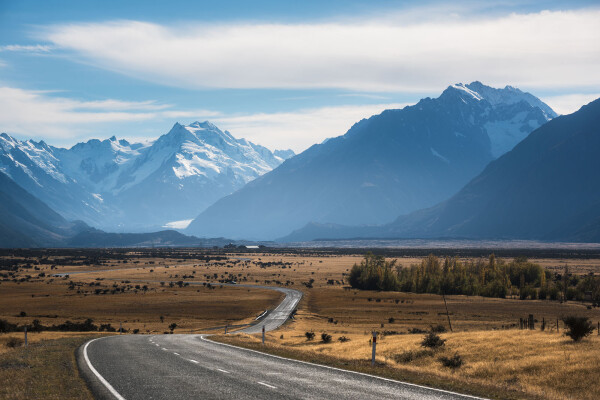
[267,385]
[222,370]
[194,361]
[176,353]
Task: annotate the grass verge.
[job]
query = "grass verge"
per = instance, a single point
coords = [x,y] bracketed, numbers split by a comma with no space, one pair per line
[46,369]
[383,369]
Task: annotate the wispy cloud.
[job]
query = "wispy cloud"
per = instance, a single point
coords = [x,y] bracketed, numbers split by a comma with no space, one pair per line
[57,119]
[550,49]
[35,113]
[299,129]
[38,48]
[569,103]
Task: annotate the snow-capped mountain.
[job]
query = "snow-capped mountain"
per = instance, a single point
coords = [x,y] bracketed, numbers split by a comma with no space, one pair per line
[36,167]
[546,188]
[384,166]
[114,184]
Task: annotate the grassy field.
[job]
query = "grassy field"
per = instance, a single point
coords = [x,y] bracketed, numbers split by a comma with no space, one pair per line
[497,364]
[137,288]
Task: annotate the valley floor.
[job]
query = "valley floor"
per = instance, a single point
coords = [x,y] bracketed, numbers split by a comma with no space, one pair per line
[148,290]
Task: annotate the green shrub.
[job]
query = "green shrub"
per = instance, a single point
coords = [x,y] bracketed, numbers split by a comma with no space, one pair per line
[453,362]
[432,341]
[325,338]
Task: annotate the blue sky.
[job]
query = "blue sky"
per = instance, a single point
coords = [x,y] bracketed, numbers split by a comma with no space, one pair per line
[282,74]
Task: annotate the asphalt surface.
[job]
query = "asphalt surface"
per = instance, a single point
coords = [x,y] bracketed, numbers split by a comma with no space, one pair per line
[193,367]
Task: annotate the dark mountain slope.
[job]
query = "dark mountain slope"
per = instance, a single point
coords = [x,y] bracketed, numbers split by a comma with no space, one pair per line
[546,188]
[26,221]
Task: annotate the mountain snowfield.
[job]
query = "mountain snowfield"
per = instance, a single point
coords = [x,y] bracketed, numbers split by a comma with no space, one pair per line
[117,185]
[387,165]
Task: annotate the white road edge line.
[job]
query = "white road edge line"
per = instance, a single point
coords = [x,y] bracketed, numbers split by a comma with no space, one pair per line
[267,385]
[345,370]
[100,377]
[222,370]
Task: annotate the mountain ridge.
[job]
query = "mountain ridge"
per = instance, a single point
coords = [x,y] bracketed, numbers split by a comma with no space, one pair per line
[112,183]
[546,188]
[386,165]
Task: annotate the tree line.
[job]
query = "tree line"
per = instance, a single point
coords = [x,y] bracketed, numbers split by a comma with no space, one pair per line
[489,277]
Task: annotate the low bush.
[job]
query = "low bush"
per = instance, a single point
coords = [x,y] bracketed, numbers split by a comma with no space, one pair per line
[438,328]
[343,339]
[325,337]
[309,335]
[14,342]
[411,355]
[432,341]
[453,362]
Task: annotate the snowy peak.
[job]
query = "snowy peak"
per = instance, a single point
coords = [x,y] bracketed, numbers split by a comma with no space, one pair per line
[467,91]
[113,182]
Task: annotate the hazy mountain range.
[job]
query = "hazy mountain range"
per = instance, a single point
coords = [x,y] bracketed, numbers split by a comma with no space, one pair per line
[546,188]
[387,165]
[117,185]
[475,163]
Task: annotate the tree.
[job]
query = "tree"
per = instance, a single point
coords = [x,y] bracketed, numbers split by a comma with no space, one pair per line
[172,327]
[578,327]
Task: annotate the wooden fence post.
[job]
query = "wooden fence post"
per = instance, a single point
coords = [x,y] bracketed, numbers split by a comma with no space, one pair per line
[531,322]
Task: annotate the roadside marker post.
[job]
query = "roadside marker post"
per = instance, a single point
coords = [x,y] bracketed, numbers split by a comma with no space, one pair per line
[25,336]
[374,347]
[120,328]
[263,335]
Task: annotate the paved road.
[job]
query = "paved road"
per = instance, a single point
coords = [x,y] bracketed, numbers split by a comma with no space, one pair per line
[193,367]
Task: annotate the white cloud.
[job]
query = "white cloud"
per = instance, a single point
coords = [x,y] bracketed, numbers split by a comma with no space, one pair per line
[550,49]
[299,129]
[569,103]
[38,48]
[34,113]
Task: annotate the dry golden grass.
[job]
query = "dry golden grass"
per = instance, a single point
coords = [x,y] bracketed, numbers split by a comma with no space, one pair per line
[497,364]
[192,308]
[46,369]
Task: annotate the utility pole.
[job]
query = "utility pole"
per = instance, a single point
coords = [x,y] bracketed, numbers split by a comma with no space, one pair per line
[263,335]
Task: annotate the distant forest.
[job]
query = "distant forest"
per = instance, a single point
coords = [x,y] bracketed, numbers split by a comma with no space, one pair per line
[484,277]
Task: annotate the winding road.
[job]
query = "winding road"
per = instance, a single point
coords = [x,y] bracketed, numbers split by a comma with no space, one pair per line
[194,367]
